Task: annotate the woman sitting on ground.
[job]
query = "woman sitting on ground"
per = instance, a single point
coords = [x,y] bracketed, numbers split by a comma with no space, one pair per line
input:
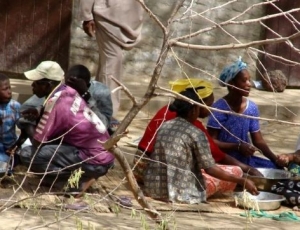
[181,151]
[146,145]
[231,131]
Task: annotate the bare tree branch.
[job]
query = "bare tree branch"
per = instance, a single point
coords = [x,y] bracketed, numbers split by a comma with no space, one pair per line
[229,22]
[234,46]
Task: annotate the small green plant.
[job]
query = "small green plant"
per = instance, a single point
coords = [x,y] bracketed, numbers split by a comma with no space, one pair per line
[144,223]
[73,181]
[133,213]
[79,224]
[116,209]
[163,225]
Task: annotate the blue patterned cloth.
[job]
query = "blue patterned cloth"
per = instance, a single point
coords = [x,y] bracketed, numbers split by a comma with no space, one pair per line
[9,114]
[240,127]
[230,72]
[294,168]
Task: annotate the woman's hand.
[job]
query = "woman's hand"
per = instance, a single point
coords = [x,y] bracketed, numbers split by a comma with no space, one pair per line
[284,159]
[254,172]
[249,186]
[246,149]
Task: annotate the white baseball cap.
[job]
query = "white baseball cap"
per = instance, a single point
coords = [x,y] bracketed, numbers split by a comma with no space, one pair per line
[46,69]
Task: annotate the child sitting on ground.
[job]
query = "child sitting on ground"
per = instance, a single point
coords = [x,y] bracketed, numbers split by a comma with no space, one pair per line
[9,114]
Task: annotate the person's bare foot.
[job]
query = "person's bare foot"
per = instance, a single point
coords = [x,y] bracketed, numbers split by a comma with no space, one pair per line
[84,186]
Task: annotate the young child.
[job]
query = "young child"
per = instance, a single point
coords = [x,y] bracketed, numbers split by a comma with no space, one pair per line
[9,114]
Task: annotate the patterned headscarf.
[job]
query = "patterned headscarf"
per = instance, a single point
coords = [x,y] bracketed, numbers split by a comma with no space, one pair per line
[230,72]
[204,88]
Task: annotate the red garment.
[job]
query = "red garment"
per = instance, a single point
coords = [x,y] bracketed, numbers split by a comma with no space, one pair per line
[164,115]
[214,185]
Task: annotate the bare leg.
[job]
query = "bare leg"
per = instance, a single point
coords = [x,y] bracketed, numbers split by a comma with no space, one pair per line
[85,186]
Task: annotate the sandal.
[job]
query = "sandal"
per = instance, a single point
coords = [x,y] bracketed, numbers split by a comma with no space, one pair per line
[124,201]
[80,205]
[72,192]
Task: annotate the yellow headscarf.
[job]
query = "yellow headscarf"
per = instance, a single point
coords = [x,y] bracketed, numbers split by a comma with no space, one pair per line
[182,84]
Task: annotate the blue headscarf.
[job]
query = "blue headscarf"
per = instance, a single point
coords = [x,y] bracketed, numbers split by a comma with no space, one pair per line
[230,72]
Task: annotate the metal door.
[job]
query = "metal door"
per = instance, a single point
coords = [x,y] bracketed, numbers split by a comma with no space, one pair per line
[32,31]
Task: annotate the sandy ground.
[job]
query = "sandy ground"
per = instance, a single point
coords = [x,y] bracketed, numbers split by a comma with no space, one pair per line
[16,219]
[280,137]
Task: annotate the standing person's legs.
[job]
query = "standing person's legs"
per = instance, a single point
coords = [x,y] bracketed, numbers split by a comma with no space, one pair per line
[110,64]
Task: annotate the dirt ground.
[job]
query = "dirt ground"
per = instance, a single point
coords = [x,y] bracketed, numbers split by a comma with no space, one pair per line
[280,137]
[110,221]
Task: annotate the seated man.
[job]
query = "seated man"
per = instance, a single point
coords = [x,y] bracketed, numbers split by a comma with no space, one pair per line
[46,77]
[68,118]
[100,100]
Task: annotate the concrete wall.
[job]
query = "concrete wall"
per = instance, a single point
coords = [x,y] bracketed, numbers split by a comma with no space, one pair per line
[140,61]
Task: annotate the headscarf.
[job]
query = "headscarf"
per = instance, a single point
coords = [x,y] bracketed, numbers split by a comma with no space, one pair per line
[203,88]
[182,107]
[230,72]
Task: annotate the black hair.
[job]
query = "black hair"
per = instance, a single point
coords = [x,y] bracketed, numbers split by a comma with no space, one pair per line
[3,77]
[79,71]
[182,107]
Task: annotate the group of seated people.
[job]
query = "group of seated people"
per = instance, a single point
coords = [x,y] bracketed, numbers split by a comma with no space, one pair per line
[179,160]
[65,122]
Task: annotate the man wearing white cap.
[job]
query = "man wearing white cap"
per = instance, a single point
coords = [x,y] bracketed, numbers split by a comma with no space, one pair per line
[46,70]
[46,77]
[68,117]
